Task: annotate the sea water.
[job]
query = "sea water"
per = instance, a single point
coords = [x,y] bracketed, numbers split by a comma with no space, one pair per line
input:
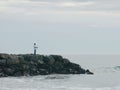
[106,76]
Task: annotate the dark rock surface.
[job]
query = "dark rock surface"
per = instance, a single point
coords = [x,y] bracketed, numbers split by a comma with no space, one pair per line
[30,65]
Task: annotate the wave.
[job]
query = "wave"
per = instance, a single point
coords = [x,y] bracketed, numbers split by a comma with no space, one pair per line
[57,76]
[115,69]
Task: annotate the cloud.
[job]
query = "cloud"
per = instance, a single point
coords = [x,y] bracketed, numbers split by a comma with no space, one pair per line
[75,4]
[36,7]
[31,3]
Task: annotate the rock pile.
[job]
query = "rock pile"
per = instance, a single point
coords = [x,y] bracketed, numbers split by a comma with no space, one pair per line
[30,65]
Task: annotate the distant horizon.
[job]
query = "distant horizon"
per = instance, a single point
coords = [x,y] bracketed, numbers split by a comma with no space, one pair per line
[64,54]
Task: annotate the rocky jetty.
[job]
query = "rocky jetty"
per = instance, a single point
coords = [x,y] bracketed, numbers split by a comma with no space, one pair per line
[30,65]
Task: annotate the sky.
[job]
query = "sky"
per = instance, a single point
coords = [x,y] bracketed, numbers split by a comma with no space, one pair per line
[60,26]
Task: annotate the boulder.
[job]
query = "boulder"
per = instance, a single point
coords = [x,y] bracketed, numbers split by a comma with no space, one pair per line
[51,60]
[88,72]
[41,61]
[4,56]
[9,71]
[66,61]
[9,59]
[3,61]
[19,73]
[13,60]
[58,58]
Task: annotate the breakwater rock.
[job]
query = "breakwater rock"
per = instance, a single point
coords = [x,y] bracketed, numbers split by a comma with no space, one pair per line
[30,65]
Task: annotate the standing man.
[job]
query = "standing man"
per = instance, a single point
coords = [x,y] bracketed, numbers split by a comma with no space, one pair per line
[35,48]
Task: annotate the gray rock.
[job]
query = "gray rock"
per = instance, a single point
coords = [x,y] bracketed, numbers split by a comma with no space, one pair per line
[3,61]
[4,56]
[40,61]
[66,61]
[88,72]
[19,73]
[9,71]
[51,60]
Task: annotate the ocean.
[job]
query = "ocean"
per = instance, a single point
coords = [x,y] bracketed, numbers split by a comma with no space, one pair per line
[106,76]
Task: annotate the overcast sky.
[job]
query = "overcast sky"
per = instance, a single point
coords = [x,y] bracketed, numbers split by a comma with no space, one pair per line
[60,26]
